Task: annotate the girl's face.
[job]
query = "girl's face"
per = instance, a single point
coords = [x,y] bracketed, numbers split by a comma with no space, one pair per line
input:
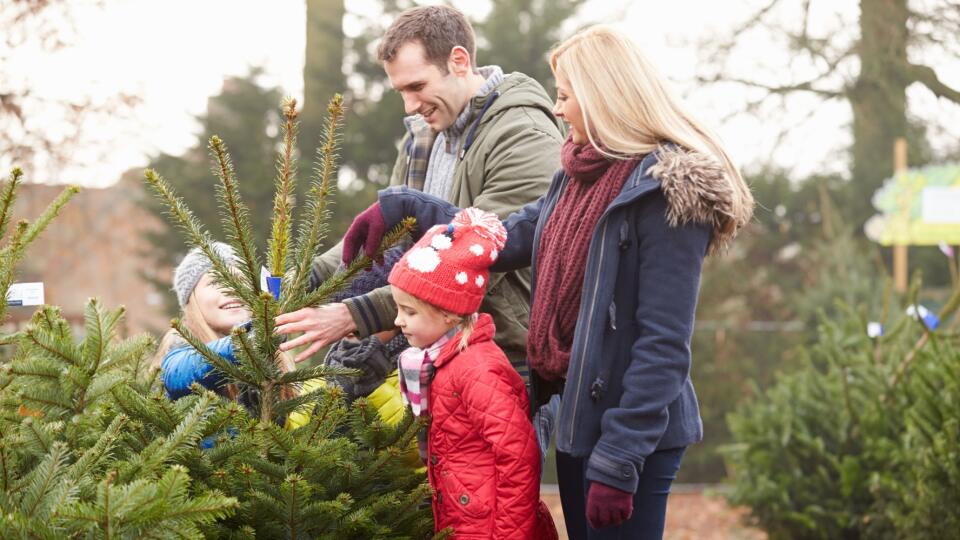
[220,311]
[420,323]
[567,108]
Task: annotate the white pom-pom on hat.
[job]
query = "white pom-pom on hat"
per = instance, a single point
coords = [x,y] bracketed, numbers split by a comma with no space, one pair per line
[486,225]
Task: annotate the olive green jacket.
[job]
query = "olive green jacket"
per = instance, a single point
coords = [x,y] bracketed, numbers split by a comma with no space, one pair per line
[507,157]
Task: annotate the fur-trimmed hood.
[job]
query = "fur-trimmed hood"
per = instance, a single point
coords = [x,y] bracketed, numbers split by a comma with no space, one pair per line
[698,188]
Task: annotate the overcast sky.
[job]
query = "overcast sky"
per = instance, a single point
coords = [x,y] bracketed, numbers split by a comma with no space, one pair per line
[176,53]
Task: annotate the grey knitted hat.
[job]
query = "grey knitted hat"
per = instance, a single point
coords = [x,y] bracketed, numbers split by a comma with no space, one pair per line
[193,266]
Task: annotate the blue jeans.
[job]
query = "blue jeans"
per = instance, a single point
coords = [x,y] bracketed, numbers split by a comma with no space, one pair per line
[649,502]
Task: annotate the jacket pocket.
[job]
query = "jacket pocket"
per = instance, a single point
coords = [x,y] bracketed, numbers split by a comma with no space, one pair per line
[456,494]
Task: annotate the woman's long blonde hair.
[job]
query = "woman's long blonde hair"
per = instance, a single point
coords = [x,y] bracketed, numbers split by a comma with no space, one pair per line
[628,109]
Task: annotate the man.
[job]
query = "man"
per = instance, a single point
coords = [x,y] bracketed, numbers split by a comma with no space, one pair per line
[475,137]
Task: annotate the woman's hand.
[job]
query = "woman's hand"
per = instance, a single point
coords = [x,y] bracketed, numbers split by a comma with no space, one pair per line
[367,230]
[607,506]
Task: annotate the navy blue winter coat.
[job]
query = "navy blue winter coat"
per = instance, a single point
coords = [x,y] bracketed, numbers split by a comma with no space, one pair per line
[628,390]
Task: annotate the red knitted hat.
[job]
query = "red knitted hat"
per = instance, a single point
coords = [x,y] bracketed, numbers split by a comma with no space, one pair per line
[448,267]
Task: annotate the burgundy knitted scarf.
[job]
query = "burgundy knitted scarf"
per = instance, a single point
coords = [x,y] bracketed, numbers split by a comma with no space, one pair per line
[595,181]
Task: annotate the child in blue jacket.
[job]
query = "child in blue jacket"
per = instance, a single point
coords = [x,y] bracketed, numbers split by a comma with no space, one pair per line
[210,315]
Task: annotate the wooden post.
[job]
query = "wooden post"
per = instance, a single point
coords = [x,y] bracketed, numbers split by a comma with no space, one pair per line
[900,267]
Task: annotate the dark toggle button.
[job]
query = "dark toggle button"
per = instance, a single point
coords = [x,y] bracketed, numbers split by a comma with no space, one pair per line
[596,388]
[464,500]
[439,497]
[433,459]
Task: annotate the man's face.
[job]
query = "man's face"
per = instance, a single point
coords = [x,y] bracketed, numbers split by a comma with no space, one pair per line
[425,89]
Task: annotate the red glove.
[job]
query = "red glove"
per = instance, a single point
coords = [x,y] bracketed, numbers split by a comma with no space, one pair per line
[367,230]
[607,506]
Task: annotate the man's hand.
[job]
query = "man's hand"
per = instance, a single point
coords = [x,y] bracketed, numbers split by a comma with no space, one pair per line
[320,326]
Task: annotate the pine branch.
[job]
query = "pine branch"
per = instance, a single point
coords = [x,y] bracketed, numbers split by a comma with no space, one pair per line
[340,279]
[37,436]
[278,439]
[186,435]
[313,227]
[8,194]
[138,407]
[54,349]
[264,322]
[197,236]
[52,210]
[303,401]
[99,328]
[245,352]
[129,351]
[327,416]
[99,452]
[316,372]
[294,490]
[236,221]
[42,479]
[218,362]
[283,200]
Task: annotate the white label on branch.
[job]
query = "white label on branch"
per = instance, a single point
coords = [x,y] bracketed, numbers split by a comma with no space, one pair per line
[264,274]
[25,294]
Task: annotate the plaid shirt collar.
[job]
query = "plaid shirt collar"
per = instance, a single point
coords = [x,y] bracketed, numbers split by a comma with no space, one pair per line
[417,148]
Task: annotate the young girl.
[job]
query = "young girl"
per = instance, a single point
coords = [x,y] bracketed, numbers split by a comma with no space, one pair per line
[481,452]
[210,314]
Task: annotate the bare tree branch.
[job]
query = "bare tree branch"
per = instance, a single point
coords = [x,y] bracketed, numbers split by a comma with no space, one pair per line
[928,77]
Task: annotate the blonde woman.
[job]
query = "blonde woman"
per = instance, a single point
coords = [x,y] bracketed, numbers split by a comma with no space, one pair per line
[616,245]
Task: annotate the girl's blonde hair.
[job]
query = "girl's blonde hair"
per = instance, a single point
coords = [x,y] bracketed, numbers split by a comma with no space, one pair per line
[192,319]
[628,109]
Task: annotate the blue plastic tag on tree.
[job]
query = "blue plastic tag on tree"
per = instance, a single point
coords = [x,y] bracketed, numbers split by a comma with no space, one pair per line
[273,285]
[929,318]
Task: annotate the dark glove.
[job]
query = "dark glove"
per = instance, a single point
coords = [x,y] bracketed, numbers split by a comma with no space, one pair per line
[607,506]
[374,360]
[367,230]
[371,359]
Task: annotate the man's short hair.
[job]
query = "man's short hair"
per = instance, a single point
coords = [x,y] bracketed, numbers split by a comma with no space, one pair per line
[438,28]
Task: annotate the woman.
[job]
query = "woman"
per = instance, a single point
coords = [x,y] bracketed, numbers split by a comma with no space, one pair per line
[616,248]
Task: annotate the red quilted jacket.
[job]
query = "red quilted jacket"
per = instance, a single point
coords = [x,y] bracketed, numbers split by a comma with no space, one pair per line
[484,462]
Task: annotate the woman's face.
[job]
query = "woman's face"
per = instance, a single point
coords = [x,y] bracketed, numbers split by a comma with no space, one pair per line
[568,109]
[220,311]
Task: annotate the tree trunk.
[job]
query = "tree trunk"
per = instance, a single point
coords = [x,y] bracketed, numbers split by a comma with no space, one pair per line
[878,98]
[322,70]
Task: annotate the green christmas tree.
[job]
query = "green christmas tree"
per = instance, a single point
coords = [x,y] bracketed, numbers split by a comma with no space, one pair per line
[63,455]
[345,474]
[863,440]
[91,447]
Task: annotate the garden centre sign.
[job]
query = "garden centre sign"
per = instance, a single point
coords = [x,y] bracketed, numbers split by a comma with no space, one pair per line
[918,207]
